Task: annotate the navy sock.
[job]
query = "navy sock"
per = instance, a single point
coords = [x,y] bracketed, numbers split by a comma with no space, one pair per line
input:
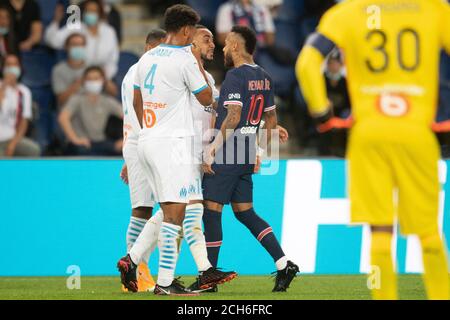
[212,221]
[262,232]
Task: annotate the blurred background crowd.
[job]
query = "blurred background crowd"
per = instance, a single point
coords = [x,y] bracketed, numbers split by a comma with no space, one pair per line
[60,84]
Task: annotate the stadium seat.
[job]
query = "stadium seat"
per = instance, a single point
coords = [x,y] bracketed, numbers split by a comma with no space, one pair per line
[126,60]
[291,10]
[48,9]
[37,66]
[288,36]
[282,76]
[207,10]
[45,119]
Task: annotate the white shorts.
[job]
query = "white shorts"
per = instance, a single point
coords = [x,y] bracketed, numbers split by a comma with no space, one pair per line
[141,194]
[170,170]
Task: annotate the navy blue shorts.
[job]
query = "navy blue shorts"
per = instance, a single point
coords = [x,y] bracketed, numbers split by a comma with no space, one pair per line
[224,189]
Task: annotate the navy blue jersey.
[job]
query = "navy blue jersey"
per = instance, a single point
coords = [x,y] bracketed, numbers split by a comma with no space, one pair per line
[250,87]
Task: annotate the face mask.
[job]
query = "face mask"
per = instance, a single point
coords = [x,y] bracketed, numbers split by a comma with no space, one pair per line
[4,31]
[334,76]
[93,86]
[78,53]
[12,70]
[90,18]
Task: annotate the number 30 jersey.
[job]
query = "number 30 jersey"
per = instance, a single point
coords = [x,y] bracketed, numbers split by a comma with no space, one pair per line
[166,77]
[251,88]
[391,51]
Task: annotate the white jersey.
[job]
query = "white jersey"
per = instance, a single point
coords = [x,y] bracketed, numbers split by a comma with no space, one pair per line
[131,125]
[203,116]
[166,76]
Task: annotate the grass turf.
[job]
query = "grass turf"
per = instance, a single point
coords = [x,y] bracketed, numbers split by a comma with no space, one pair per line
[244,287]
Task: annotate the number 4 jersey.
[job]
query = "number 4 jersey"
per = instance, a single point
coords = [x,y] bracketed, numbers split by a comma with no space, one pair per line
[251,88]
[166,77]
[391,51]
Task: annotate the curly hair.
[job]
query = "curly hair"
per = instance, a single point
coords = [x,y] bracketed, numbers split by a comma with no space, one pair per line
[179,16]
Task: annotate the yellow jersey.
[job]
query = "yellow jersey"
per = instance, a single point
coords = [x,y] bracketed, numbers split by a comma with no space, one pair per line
[391,50]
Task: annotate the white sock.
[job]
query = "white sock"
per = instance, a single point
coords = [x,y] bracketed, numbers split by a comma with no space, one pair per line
[193,233]
[281,263]
[147,240]
[134,230]
[168,241]
[152,243]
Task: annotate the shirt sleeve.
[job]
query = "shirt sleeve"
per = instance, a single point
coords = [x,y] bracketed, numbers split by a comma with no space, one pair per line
[72,105]
[193,77]
[333,26]
[35,12]
[112,63]
[115,107]
[58,83]
[55,37]
[270,105]
[27,102]
[269,26]
[232,90]
[224,19]
[446,27]
[212,83]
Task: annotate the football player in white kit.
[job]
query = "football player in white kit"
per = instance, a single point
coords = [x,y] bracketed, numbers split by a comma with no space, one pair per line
[132,173]
[165,78]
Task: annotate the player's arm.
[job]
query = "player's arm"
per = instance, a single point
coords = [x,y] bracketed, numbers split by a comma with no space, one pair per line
[229,124]
[311,80]
[138,104]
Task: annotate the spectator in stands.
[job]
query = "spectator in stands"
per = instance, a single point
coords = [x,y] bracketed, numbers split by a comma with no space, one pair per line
[67,75]
[15,113]
[8,38]
[26,17]
[102,47]
[334,143]
[245,12]
[112,16]
[85,117]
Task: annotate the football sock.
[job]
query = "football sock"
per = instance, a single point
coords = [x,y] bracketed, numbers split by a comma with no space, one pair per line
[193,233]
[262,232]
[168,241]
[148,239]
[281,263]
[435,265]
[212,220]
[134,230]
[382,258]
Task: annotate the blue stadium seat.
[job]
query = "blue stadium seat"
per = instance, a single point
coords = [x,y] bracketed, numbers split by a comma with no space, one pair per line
[207,10]
[126,60]
[291,10]
[37,66]
[45,123]
[48,9]
[288,36]
[282,76]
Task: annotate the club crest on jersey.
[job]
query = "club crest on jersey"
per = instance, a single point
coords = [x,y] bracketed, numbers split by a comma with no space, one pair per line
[183,192]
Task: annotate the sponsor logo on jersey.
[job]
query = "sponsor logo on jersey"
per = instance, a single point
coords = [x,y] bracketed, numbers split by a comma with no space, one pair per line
[249,130]
[234,96]
[155,105]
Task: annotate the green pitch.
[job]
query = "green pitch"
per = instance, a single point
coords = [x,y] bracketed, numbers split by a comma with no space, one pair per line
[244,287]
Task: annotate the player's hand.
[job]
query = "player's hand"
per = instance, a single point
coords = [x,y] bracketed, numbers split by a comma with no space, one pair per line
[124,174]
[208,159]
[10,149]
[257,164]
[283,133]
[83,142]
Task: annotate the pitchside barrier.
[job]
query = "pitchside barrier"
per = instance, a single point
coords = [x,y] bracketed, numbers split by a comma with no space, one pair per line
[58,216]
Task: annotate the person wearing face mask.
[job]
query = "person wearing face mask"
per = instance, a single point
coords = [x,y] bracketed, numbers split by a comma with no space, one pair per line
[67,75]
[112,16]
[8,42]
[15,113]
[334,142]
[84,118]
[102,47]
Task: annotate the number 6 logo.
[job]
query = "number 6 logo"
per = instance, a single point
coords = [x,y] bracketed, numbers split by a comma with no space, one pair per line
[149,118]
[393,105]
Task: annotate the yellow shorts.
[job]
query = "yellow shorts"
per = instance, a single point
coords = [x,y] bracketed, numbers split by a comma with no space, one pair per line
[394,179]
